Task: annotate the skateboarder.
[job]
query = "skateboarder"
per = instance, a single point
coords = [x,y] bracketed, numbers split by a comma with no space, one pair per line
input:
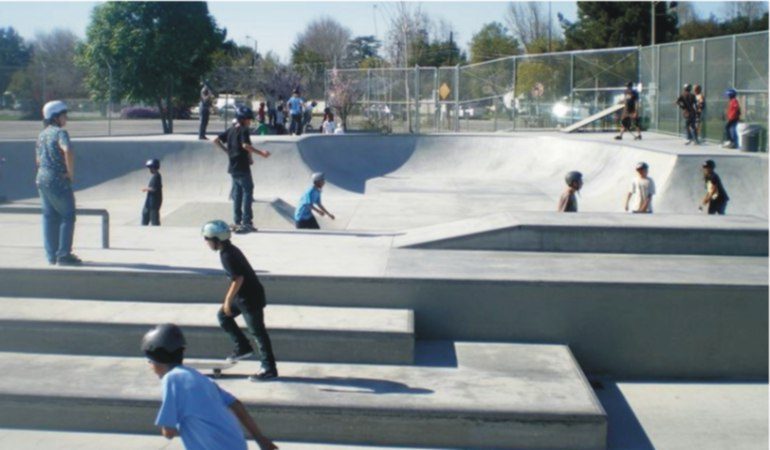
[716,196]
[55,172]
[193,406]
[236,142]
[687,103]
[154,190]
[643,187]
[568,200]
[630,113]
[244,296]
[309,202]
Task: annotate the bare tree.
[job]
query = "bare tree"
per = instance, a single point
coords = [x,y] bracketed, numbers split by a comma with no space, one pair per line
[530,23]
[325,40]
[751,10]
[686,13]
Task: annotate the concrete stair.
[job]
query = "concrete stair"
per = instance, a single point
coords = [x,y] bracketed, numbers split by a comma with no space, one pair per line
[494,396]
[299,333]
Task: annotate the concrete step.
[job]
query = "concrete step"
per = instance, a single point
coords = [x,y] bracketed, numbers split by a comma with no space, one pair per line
[70,440]
[497,396]
[298,333]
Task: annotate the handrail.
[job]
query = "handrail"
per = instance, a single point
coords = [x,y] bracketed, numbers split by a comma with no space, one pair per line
[79,211]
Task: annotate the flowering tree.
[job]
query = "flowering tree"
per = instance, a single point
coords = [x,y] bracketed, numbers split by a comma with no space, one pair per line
[345,89]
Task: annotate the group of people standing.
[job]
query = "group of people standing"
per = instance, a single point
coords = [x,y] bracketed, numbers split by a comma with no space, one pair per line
[692,103]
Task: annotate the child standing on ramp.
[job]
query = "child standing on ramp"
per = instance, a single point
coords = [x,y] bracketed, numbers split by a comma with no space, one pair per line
[568,200]
[194,407]
[244,296]
[154,190]
[309,202]
[643,187]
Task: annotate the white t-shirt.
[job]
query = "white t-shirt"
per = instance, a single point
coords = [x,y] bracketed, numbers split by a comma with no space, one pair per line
[328,127]
[641,189]
[339,129]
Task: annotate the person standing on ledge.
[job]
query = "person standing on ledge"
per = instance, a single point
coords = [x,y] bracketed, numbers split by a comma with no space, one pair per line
[733,115]
[568,200]
[55,174]
[194,407]
[644,188]
[716,197]
[207,98]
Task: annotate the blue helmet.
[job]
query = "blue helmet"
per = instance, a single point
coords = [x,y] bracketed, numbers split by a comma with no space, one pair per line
[244,112]
[731,93]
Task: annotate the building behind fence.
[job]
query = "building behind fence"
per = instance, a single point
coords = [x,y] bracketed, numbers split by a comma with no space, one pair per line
[554,90]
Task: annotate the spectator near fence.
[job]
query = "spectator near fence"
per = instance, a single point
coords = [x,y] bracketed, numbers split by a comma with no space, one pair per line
[207,98]
[296,105]
[700,110]
[686,103]
[732,116]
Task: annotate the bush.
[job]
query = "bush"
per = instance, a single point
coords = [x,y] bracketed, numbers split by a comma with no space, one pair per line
[135,112]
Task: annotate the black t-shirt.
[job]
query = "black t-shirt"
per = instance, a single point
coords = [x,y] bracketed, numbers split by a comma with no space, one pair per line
[687,102]
[631,98]
[155,197]
[234,138]
[721,192]
[236,264]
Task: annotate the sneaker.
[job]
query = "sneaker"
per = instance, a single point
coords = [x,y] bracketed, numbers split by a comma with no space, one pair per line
[638,138]
[264,375]
[688,142]
[239,355]
[69,260]
[617,138]
[245,229]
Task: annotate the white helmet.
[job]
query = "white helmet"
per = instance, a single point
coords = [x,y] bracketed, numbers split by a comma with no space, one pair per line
[53,108]
[216,229]
[318,176]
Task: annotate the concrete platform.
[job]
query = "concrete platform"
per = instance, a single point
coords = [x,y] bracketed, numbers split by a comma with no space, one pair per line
[298,333]
[538,400]
[597,233]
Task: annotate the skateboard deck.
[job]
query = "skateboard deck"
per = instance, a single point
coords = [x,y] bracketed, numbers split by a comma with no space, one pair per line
[215,367]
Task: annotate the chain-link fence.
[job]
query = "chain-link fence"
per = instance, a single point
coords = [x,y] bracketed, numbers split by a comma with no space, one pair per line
[555,90]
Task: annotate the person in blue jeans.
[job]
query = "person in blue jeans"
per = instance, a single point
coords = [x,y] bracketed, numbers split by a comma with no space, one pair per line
[296,106]
[309,202]
[55,172]
[236,143]
[194,407]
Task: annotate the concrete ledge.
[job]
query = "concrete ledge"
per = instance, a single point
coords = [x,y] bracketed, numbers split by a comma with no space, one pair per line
[299,333]
[597,233]
[544,404]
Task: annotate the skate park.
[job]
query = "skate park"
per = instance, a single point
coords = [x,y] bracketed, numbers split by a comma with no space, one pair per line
[447,296]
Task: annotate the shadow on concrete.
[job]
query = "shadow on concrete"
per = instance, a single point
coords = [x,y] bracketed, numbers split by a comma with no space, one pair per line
[352,385]
[159,267]
[435,354]
[624,429]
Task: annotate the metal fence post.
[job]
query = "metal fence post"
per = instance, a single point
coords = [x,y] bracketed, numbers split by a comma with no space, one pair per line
[436,106]
[109,102]
[417,99]
[703,83]
[735,51]
[679,83]
[571,87]
[513,100]
[656,50]
[457,98]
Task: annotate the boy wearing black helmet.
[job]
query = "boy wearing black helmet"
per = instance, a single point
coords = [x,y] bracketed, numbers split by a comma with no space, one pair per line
[194,407]
[154,190]
[716,196]
[568,200]
[687,103]
[630,114]
[236,143]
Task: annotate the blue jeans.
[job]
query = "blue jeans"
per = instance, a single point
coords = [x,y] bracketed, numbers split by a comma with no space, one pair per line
[243,197]
[689,123]
[731,130]
[58,220]
[296,124]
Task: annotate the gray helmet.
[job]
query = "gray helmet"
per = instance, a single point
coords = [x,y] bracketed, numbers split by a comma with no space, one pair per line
[216,229]
[573,177]
[164,344]
[318,176]
[153,163]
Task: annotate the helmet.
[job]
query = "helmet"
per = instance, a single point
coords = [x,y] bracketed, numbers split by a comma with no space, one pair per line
[244,112]
[687,87]
[573,177]
[164,344]
[709,163]
[731,93]
[153,163]
[54,108]
[216,229]
[318,176]
[641,165]
[630,84]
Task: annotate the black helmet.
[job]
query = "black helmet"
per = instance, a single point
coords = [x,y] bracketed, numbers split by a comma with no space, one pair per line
[164,344]
[687,87]
[573,177]
[153,163]
[709,163]
[243,113]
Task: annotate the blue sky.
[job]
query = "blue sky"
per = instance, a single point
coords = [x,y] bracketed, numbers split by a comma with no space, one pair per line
[274,25]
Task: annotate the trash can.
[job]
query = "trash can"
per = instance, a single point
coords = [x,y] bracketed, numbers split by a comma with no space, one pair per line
[748,137]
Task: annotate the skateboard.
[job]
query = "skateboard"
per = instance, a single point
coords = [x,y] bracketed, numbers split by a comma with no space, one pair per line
[216,367]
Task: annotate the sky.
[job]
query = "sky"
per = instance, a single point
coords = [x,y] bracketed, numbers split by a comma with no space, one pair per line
[274,25]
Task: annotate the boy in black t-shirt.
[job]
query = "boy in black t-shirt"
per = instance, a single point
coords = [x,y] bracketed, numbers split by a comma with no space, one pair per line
[716,196]
[236,142]
[687,103]
[154,190]
[244,296]
[630,114]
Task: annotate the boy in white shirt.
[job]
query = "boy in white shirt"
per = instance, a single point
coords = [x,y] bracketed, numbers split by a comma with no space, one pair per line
[643,187]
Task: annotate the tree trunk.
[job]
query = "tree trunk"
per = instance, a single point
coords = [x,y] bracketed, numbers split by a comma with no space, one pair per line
[163,120]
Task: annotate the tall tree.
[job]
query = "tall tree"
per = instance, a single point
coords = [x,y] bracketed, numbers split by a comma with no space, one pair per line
[491,42]
[324,40]
[364,51]
[14,55]
[158,52]
[619,24]
[530,23]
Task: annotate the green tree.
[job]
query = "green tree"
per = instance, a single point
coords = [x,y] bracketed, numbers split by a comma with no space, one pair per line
[14,55]
[363,52]
[619,24]
[491,42]
[158,51]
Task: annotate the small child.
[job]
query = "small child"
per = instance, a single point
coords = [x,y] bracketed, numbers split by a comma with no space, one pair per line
[568,200]
[309,202]
[244,296]
[716,197]
[194,407]
[328,125]
[644,188]
[154,190]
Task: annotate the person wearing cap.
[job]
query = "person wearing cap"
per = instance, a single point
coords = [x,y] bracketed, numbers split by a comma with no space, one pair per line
[55,163]
[568,200]
[296,106]
[716,197]
[733,115]
[154,190]
[245,296]
[643,187]
[236,143]
[630,113]
[309,202]
[687,103]
[193,406]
